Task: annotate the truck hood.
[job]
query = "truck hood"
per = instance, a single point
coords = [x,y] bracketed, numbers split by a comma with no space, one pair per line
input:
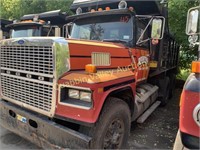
[84,52]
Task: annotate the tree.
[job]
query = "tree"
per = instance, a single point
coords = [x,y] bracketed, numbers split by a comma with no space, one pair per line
[14,9]
[177,20]
[10,9]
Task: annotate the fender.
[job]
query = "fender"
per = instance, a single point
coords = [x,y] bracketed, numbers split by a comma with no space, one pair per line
[101,91]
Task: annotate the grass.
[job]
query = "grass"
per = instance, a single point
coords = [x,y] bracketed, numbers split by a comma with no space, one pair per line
[184,73]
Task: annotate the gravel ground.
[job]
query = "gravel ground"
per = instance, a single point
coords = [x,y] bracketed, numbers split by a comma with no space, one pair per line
[157,132]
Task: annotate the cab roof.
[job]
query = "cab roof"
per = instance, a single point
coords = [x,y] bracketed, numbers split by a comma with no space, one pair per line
[13,25]
[56,17]
[98,13]
[141,7]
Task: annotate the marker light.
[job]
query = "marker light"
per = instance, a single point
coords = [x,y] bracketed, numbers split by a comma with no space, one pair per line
[122,5]
[196,66]
[78,11]
[42,21]
[92,10]
[107,8]
[100,9]
[35,18]
[90,68]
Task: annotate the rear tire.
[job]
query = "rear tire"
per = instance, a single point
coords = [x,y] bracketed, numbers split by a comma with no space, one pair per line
[113,126]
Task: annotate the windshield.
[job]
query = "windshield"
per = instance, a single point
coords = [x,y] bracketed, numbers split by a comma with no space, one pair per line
[30,31]
[24,31]
[111,27]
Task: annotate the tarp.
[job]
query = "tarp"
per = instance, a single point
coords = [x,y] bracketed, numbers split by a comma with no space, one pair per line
[3,23]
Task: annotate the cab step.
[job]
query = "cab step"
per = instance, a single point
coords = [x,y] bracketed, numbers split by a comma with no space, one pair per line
[148,112]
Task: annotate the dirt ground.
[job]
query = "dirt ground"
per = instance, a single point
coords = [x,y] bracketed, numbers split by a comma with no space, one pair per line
[158,131]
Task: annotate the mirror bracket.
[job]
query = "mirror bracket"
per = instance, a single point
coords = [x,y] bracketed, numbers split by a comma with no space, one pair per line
[66,33]
[139,41]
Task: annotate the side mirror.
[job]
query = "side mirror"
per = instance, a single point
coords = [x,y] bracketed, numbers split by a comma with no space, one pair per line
[57,32]
[158,26]
[1,34]
[193,21]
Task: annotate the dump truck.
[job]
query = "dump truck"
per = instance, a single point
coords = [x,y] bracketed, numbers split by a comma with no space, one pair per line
[188,135]
[116,65]
[4,32]
[43,24]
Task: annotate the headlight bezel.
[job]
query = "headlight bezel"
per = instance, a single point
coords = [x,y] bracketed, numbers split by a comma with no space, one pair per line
[81,102]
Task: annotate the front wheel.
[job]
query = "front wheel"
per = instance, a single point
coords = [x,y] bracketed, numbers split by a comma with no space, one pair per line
[113,127]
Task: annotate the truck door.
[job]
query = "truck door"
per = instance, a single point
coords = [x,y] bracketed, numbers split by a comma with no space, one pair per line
[141,53]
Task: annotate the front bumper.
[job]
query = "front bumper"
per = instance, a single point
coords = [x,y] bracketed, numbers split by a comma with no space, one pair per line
[39,129]
[185,142]
[190,141]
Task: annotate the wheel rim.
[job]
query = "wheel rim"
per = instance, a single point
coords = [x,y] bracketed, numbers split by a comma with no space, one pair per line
[114,135]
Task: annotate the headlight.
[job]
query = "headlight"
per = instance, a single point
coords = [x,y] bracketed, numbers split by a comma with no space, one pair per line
[73,93]
[85,96]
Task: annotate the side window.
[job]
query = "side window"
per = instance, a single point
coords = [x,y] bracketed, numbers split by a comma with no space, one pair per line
[48,31]
[140,29]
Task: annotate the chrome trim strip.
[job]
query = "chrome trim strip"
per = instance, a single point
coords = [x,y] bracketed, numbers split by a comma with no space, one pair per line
[75,106]
[27,72]
[27,79]
[72,105]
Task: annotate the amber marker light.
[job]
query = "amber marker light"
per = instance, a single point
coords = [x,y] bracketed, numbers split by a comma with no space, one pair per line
[100,9]
[92,10]
[196,66]
[90,68]
[107,8]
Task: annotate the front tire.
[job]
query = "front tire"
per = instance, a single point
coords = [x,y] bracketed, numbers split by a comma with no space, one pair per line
[113,126]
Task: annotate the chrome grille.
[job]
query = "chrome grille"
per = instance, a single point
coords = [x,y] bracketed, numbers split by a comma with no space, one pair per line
[36,59]
[22,67]
[28,92]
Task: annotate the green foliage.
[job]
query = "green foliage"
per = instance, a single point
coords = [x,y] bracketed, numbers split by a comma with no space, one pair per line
[177,21]
[183,74]
[14,9]
[9,8]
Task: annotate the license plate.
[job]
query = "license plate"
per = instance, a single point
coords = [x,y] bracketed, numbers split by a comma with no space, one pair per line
[21,118]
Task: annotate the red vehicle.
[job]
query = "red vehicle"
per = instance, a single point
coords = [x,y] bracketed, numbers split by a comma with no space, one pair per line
[118,66]
[189,124]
